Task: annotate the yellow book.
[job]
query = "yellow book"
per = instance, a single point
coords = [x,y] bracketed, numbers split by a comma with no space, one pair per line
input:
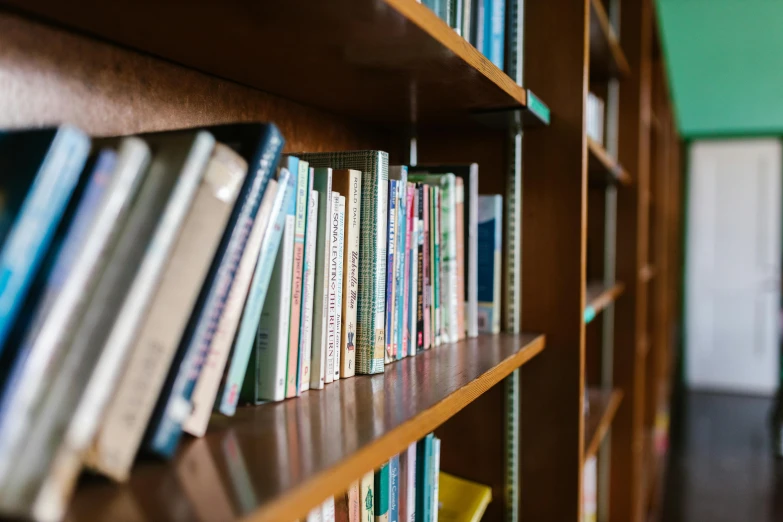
[461,500]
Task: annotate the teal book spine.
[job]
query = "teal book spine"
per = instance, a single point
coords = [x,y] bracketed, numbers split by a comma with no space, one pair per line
[424,479]
[400,257]
[293,385]
[382,493]
[374,166]
[246,336]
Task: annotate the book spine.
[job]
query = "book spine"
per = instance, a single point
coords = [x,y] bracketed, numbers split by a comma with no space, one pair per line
[425,268]
[306,335]
[435,476]
[449,223]
[390,248]
[33,230]
[414,275]
[399,269]
[354,509]
[382,493]
[411,483]
[350,275]
[489,237]
[420,189]
[338,235]
[245,340]
[437,283]
[394,489]
[402,489]
[424,478]
[406,272]
[460,236]
[268,376]
[367,498]
[494,30]
[498,263]
[332,342]
[323,183]
[300,228]
[328,510]
[472,315]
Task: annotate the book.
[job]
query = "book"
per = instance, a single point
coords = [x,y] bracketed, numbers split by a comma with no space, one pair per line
[367,498]
[490,238]
[407,274]
[47,464]
[461,500]
[426,264]
[349,183]
[266,380]
[322,183]
[411,487]
[341,509]
[494,33]
[460,234]
[328,510]
[334,278]
[306,329]
[340,234]
[421,196]
[590,490]
[303,182]
[391,246]
[374,166]
[354,501]
[46,165]
[192,384]
[436,272]
[315,514]
[402,489]
[468,173]
[435,471]
[424,478]
[75,270]
[158,334]
[382,493]
[414,274]
[400,174]
[246,335]
[206,387]
[394,489]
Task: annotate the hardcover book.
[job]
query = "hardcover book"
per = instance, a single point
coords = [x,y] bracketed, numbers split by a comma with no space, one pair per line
[460,213]
[389,356]
[306,334]
[374,166]
[400,174]
[349,183]
[382,493]
[322,183]
[414,274]
[302,168]
[436,271]
[461,500]
[490,228]
[410,203]
[426,266]
[338,255]
[422,203]
[411,483]
[394,489]
[367,498]
[435,472]
[333,275]
[424,486]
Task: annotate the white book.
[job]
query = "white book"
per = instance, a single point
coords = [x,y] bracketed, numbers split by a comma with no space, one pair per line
[208,382]
[328,510]
[158,336]
[332,339]
[411,482]
[306,336]
[435,476]
[322,183]
[274,326]
[338,249]
[448,252]
[315,514]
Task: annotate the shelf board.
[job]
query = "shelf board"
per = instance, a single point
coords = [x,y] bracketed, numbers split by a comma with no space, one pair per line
[607,59]
[278,460]
[378,61]
[603,168]
[598,296]
[647,273]
[603,405]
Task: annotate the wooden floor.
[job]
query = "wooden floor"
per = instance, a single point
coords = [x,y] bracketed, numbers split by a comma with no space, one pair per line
[721,467]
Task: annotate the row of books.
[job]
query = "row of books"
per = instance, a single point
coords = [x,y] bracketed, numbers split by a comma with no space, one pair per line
[481,22]
[150,280]
[408,488]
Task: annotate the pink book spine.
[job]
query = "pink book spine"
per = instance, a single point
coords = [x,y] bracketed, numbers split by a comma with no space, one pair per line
[426,267]
[407,279]
[296,307]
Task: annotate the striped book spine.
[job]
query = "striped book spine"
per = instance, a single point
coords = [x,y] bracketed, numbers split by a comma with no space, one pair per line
[374,166]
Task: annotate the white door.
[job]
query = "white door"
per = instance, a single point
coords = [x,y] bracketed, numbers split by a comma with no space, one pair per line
[733,265]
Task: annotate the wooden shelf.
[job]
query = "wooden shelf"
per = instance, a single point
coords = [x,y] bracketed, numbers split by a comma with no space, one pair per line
[607,59]
[598,296]
[279,460]
[379,61]
[647,273]
[603,405]
[603,168]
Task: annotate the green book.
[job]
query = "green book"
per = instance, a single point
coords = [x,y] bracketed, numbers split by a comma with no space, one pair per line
[435,265]
[424,478]
[374,166]
[382,493]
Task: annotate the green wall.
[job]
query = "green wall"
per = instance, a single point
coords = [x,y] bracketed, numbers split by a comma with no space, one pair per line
[725,61]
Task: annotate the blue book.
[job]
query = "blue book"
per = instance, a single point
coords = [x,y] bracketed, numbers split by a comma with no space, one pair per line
[400,174]
[260,145]
[41,169]
[424,479]
[494,33]
[248,326]
[394,489]
[490,238]
[391,246]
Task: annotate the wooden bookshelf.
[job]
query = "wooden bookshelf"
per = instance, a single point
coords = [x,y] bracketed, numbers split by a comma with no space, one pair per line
[598,296]
[297,452]
[380,61]
[602,405]
[603,168]
[607,59]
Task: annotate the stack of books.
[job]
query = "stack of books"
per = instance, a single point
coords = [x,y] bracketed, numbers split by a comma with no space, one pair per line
[405,489]
[149,281]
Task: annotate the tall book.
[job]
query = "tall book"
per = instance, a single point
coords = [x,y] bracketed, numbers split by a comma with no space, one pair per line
[354,502]
[413,292]
[382,493]
[490,228]
[119,437]
[192,385]
[46,466]
[328,510]
[334,277]
[394,489]
[410,202]
[435,471]
[367,497]
[402,496]
[391,247]
[322,183]
[244,343]
[340,261]
[424,484]
[426,264]
[306,329]
[374,166]
[206,387]
[349,183]
[411,486]
[469,175]
[266,380]
[302,202]
[400,174]
[494,31]
[420,291]
[460,213]
[41,169]
[436,270]
[76,269]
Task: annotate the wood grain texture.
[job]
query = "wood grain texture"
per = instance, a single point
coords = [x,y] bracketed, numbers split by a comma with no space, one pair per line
[554,219]
[602,406]
[607,59]
[647,273]
[598,295]
[279,460]
[603,167]
[383,61]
